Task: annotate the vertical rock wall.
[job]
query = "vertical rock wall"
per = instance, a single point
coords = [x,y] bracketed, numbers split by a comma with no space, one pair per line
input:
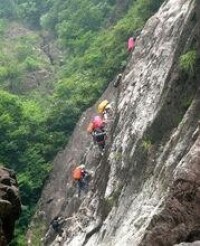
[145,189]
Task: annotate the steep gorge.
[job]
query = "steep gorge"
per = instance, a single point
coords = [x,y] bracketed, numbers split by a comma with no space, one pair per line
[145,189]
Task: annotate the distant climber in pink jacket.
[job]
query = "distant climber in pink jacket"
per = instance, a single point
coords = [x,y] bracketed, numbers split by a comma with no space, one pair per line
[131,44]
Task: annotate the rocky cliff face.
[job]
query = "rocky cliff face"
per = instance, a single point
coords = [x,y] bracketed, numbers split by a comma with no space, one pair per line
[10,205]
[145,189]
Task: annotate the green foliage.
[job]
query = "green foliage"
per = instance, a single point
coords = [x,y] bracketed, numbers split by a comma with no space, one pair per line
[20,238]
[3,72]
[21,225]
[25,141]
[19,57]
[2,26]
[38,232]
[187,61]
[30,11]
[32,133]
[7,9]
[8,69]
[31,63]
[23,51]
[24,148]
[146,144]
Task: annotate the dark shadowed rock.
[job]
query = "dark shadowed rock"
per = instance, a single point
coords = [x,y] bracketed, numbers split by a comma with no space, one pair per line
[10,205]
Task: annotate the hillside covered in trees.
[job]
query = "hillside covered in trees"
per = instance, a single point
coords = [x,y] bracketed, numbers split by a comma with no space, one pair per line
[57,57]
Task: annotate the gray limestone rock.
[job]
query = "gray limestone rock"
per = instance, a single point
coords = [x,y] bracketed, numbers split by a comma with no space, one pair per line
[145,189]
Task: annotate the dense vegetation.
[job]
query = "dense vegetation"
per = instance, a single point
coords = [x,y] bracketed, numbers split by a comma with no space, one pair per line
[92,35]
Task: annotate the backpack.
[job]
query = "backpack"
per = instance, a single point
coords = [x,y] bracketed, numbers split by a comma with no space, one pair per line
[90,127]
[77,174]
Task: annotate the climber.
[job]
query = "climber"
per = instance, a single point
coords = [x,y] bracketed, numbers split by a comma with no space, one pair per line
[55,228]
[56,224]
[117,80]
[96,128]
[105,109]
[131,44]
[80,175]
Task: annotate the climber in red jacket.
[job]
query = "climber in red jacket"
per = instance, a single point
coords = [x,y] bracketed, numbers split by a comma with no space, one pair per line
[96,128]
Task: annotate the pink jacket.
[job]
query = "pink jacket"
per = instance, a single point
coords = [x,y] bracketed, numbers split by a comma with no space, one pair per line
[131,44]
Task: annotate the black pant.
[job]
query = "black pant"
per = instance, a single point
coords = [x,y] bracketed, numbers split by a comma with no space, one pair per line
[100,137]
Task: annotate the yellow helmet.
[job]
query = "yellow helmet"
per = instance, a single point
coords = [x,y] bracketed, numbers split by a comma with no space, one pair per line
[101,106]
